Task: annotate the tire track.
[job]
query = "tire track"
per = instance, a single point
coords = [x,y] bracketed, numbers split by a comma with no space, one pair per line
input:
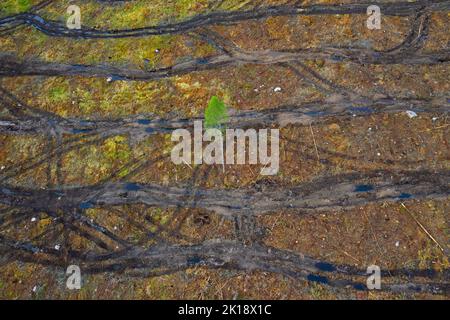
[53,28]
[328,193]
[223,254]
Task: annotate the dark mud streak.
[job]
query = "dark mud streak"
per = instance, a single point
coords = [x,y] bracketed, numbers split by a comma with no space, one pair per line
[224,254]
[11,66]
[53,28]
[329,193]
[141,126]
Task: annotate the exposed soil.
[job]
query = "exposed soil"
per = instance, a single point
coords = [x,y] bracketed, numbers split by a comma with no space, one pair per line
[86,118]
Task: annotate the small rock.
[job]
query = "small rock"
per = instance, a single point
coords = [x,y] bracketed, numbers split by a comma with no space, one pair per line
[411,114]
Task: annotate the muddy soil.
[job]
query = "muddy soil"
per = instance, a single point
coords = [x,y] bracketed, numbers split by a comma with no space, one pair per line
[85,138]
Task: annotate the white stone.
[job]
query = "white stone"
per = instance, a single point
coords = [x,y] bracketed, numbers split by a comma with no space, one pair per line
[411,114]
